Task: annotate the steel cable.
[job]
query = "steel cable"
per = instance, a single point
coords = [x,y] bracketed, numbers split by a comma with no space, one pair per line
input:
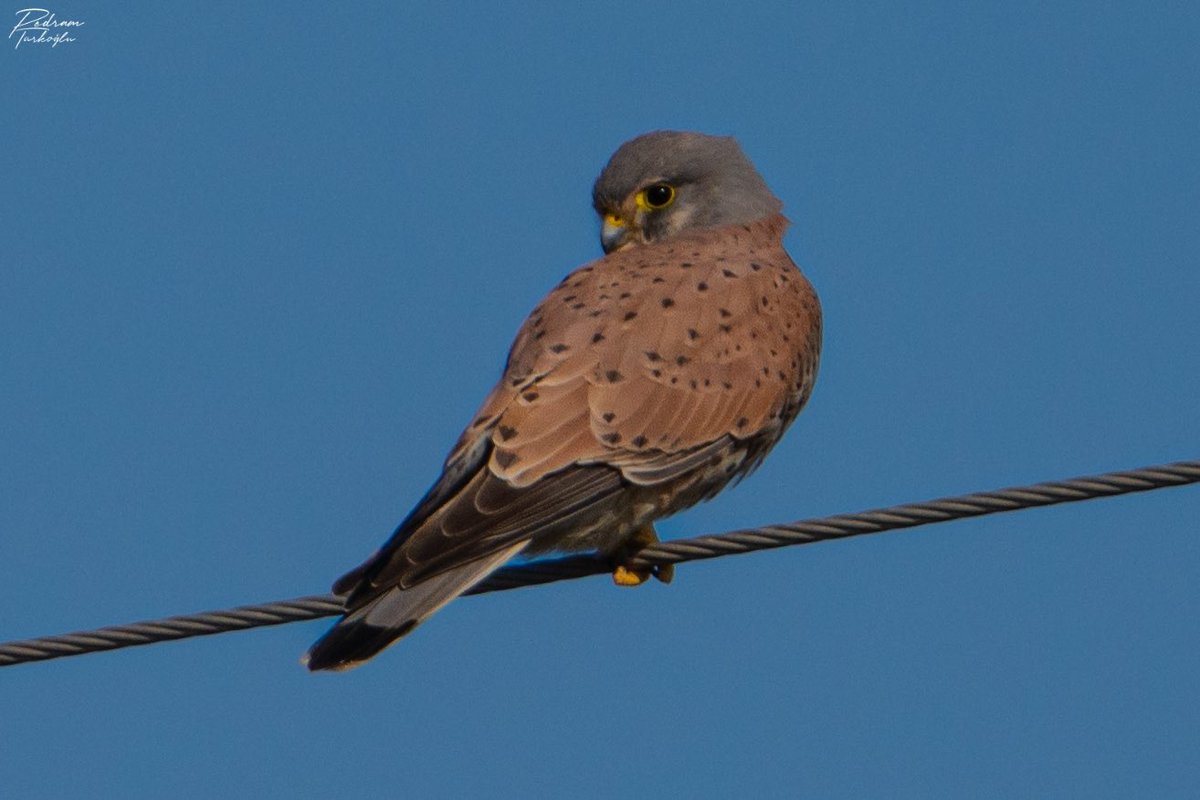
[669,552]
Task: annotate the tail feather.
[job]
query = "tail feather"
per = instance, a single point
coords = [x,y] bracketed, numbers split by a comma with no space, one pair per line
[384,619]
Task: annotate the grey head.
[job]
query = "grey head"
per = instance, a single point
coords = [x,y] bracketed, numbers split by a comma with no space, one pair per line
[666,182]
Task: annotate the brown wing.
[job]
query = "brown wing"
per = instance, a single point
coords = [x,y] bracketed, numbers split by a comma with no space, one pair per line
[636,369]
[652,354]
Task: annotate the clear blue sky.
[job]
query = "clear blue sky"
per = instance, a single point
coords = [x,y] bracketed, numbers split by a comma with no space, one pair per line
[260,264]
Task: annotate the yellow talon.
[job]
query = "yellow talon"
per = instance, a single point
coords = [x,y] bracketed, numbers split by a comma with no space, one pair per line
[624,576]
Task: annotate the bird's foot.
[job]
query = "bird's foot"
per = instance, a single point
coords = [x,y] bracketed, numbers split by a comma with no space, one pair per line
[624,575]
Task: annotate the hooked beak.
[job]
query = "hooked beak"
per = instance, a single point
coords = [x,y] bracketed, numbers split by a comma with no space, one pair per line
[615,234]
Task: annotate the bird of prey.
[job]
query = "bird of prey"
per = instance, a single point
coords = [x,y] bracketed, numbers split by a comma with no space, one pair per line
[645,382]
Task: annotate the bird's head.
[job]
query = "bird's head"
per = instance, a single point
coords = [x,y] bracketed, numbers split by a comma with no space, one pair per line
[665,182]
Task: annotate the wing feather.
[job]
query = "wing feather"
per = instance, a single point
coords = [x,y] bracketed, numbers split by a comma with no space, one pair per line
[640,369]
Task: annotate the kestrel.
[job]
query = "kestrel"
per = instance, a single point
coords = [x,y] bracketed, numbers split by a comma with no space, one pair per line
[645,382]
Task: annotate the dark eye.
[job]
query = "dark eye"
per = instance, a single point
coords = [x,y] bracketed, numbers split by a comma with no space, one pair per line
[658,195]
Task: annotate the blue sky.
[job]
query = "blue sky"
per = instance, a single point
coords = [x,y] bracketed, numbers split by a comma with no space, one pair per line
[260,265]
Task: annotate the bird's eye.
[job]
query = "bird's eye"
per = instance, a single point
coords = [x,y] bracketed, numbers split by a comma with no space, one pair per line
[655,197]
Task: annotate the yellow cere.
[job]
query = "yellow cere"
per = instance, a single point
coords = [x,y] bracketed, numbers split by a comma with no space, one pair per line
[613,220]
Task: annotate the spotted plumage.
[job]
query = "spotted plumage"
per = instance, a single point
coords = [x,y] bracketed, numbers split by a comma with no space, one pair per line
[645,382]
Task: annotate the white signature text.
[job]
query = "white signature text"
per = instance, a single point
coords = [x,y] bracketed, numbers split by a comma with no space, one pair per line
[41,26]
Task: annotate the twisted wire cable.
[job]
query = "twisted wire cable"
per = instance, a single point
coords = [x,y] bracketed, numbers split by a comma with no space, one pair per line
[670,552]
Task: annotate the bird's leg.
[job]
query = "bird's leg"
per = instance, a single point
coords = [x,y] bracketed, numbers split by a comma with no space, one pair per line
[628,576]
